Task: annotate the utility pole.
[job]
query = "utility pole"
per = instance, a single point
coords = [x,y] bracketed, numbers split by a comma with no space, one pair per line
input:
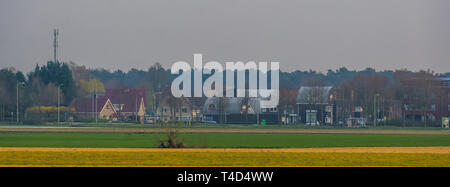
[17,100]
[375,109]
[59,102]
[59,87]
[154,106]
[17,97]
[95,97]
[55,60]
[257,114]
[92,101]
[136,107]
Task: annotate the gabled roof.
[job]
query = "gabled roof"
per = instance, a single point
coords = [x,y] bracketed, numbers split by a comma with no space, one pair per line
[313,95]
[233,105]
[445,78]
[108,102]
[130,98]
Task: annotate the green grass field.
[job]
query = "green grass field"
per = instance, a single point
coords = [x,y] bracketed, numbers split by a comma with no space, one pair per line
[57,148]
[218,140]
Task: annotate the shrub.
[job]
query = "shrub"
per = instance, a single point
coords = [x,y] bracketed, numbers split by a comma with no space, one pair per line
[172,140]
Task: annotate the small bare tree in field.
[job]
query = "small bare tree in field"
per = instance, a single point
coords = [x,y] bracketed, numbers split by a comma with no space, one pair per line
[173,140]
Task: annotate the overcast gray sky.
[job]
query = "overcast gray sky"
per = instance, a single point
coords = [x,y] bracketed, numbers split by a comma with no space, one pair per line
[300,34]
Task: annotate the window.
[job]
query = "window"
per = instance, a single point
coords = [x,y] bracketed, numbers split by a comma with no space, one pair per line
[406,107]
[118,107]
[273,109]
[212,107]
[183,110]
[311,117]
[433,107]
[195,113]
[448,108]
[164,110]
[358,109]
[328,108]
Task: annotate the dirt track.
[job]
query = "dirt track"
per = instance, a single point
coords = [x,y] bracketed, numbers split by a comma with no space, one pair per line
[219,130]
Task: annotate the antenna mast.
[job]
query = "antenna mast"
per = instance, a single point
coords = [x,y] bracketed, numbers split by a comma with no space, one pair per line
[55,44]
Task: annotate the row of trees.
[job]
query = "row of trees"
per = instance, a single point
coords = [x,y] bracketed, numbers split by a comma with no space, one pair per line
[8,85]
[40,87]
[410,94]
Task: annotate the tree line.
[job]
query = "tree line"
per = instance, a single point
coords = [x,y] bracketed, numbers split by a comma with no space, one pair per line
[41,86]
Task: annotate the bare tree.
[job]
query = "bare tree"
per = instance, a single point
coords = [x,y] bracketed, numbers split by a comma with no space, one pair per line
[315,95]
[222,105]
[418,90]
[287,100]
[361,90]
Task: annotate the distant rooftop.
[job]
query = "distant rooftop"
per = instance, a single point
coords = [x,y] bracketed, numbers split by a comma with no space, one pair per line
[317,94]
[445,78]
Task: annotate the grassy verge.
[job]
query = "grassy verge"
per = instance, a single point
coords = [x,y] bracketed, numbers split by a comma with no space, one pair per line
[219,140]
[221,126]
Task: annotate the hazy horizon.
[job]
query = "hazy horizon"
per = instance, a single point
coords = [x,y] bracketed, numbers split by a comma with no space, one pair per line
[301,35]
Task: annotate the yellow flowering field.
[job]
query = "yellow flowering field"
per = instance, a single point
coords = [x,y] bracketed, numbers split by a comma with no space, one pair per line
[375,156]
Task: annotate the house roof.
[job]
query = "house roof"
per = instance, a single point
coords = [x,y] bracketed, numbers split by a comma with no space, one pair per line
[233,105]
[311,95]
[130,98]
[445,78]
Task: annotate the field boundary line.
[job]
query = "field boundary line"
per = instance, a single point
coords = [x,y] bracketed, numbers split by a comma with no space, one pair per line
[418,150]
[218,130]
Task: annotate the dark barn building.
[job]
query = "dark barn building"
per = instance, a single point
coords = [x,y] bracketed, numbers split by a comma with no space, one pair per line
[315,106]
[238,110]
